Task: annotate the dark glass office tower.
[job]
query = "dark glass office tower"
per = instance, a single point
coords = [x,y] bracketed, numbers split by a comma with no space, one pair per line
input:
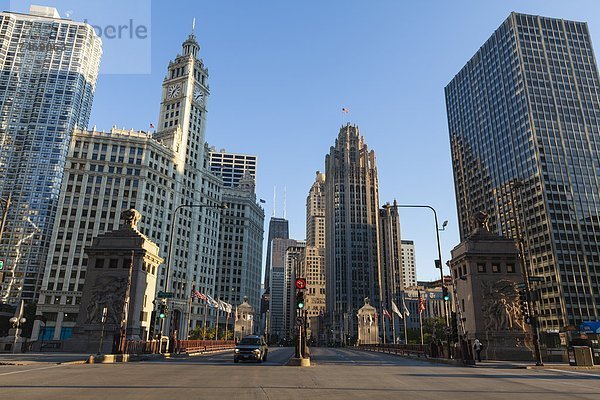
[523,117]
[278,229]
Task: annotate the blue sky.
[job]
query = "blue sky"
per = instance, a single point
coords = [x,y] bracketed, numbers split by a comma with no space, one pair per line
[280,72]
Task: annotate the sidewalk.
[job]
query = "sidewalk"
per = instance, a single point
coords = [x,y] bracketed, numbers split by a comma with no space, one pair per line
[42,358]
[529,365]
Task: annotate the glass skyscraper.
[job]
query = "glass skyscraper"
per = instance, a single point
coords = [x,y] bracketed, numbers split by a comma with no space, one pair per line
[48,71]
[523,117]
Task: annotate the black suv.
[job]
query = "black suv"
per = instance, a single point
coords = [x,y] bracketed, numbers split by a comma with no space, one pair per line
[251,348]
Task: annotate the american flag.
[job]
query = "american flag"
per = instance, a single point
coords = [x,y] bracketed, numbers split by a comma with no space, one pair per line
[421,304]
[199,295]
[387,313]
[151,125]
[345,110]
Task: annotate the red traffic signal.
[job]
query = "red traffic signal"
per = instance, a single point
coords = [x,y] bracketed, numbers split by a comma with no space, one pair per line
[300,283]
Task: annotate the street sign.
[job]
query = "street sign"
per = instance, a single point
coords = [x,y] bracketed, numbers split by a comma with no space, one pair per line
[299,321]
[165,295]
[520,285]
[300,283]
[1,265]
[536,279]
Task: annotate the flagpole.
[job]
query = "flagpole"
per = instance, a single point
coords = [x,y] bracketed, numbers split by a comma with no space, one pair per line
[205,310]
[226,326]
[420,317]
[189,317]
[217,326]
[404,312]
[393,328]
[383,324]
[421,324]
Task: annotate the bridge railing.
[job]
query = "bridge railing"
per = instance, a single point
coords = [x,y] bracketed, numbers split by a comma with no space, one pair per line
[202,346]
[418,350]
[142,347]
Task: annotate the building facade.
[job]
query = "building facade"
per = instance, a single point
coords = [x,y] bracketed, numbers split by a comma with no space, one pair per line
[278,229]
[49,69]
[392,277]
[277,315]
[523,118]
[409,263]
[313,268]
[239,266]
[351,231]
[109,172]
[232,167]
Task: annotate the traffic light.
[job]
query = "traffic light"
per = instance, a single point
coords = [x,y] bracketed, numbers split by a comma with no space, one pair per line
[299,299]
[524,305]
[445,293]
[454,327]
[163,310]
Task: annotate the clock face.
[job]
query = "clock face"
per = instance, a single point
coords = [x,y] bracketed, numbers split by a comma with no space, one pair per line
[174,91]
[198,95]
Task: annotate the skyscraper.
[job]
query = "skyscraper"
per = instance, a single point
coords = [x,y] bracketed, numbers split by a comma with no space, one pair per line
[351,231]
[239,266]
[49,69]
[409,272]
[278,306]
[108,172]
[313,267]
[390,257]
[278,229]
[231,167]
[523,118]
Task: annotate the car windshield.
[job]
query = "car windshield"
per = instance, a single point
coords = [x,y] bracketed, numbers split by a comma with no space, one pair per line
[250,341]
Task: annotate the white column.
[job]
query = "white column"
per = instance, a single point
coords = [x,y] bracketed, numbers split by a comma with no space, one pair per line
[58,325]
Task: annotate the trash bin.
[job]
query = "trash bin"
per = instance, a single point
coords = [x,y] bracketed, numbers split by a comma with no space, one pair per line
[580,355]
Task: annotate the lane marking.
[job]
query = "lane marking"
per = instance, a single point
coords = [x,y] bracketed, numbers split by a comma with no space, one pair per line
[32,369]
[574,372]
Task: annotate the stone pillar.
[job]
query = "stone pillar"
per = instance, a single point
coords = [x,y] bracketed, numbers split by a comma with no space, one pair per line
[486,273]
[368,324]
[244,320]
[121,277]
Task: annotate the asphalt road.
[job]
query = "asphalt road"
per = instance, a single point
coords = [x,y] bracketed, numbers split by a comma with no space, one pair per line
[337,374]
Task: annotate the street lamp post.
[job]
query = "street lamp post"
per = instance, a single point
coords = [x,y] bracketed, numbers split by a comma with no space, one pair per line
[439,248]
[169,254]
[16,322]
[5,203]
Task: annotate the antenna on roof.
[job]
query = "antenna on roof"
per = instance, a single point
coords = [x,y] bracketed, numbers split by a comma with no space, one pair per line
[193,24]
[274,198]
[284,200]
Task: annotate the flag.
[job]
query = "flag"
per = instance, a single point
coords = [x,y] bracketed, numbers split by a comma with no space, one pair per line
[421,304]
[387,313]
[406,312]
[263,201]
[197,294]
[345,110]
[211,302]
[396,310]
[151,125]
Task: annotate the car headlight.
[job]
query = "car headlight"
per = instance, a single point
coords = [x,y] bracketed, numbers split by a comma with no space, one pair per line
[237,350]
[257,351]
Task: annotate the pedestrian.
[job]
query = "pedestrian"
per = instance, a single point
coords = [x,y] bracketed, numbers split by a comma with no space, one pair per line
[477,346]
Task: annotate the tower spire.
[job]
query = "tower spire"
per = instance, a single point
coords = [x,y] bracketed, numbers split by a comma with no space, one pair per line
[284,201]
[274,198]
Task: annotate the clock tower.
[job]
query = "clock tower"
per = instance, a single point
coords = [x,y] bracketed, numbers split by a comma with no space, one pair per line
[181,128]
[184,100]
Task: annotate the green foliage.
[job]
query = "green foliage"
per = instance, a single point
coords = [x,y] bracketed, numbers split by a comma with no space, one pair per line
[197,333]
